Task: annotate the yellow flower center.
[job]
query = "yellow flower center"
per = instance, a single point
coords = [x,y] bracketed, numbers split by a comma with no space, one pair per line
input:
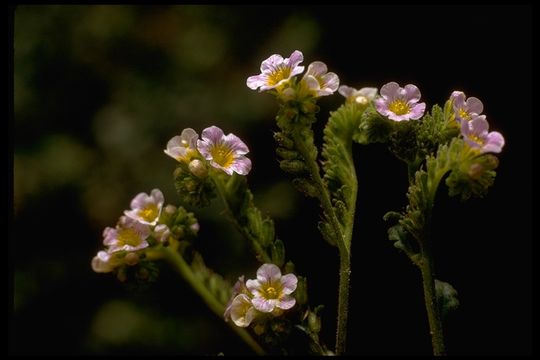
[399,107]
[271,292]
[278,75]
[149,213]
[477,139]
[463,114]
[128,237]
[222,155]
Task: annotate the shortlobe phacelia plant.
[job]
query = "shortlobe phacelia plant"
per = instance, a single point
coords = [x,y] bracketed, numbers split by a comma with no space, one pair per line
[270,305]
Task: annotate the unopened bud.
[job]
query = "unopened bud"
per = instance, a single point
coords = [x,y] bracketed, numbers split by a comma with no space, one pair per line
[198,168]
[475,170]
[177,172]
[258,329]
[362,100]
[170,209]
[195,227]
[314,322]
[132,259]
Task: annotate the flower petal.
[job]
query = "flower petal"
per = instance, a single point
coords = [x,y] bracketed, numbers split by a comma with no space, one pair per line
[474,106]
[412,93]
[241,165]
[268,273]
[369,92]
[236,144]
[263,305]
[289,283]
[286,302]
[271,63]
[346,91]
[390,91]
[212,134]
[479,125]
[417,111]
[494,143]
[317,68]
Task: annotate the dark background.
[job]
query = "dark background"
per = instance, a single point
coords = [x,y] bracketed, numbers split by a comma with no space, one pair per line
[98,92]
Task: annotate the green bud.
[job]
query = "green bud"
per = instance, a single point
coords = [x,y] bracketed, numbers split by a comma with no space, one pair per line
[268,232]
[314,323]
[301,294]
[278,253]
[293,166]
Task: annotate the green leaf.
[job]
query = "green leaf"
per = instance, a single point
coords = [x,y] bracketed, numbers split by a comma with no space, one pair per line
[446,297]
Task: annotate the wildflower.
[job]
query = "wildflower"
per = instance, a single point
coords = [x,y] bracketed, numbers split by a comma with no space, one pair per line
[129,235]
[319,80]
[276,71]
[465,109]
[242,310]
[362,96]
[225,152]
[104,262]
[400,104]
[475,133]
[183,147]
[271,290]
[238,288]
[146,209]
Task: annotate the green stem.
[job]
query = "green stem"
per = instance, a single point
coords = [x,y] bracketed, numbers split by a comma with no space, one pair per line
[180,265]
[324,196]
[343,303]
[342,240]
[430,299]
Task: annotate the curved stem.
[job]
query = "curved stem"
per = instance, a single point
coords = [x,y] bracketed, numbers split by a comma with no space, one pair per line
[180,265]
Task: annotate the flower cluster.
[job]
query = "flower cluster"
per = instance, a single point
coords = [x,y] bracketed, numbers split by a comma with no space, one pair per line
[401,104]
[132,233]
[277,74]
[223,152]
[270,293]
[474,126]
[147,224]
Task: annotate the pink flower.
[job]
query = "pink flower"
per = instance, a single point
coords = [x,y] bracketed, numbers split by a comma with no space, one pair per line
[104,262]
[129,235]
[400,104]
[465,109]
[271,290]
[242,310]
[319,80]
[276,71]
[225,152]
[183,147]
[475,133]
[145,208]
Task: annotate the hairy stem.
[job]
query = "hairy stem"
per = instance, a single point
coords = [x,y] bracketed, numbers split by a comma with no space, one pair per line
[430,299]
[180,265]
[342,240]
